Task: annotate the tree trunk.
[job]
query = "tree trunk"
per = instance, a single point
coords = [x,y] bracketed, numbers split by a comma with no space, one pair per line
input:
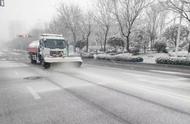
[144,49]
[87,41]
[127,44]
[175,42]
[75,41]
[101,45]
[105,38]
[152,43]
[104,45]
[87,44]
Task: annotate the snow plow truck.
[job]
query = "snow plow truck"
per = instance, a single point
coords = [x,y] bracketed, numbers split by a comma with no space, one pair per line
[50,49]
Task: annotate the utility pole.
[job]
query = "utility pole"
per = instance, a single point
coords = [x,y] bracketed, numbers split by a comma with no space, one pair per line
[2,3]
[179,29]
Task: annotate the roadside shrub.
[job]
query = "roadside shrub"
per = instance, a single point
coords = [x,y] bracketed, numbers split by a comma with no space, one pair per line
[160,47]
[129,59]
[120,58]
[116,42]
[104,57]
[173,61]
[135,51]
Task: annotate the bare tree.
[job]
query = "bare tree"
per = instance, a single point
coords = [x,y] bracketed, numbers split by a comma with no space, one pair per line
[179,6]
[104,18]
[126,13]
[86,27]
[99,38]
[155,21]
[55,26]
[71,16]
[171,34]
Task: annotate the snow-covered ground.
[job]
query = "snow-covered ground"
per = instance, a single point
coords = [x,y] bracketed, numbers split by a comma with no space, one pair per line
[1,53]
[92,94]
[180,54]
[150,58]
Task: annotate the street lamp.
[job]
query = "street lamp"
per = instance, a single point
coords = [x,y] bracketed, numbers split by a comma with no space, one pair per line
[179,28]
[2,3]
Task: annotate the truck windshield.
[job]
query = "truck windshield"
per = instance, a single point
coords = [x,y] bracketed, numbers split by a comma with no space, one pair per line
[54,43]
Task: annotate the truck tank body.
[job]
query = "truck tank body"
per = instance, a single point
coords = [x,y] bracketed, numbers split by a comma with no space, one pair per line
[33,47]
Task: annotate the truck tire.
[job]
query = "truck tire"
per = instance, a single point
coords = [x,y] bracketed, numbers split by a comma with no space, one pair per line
[32,61]
[45,64]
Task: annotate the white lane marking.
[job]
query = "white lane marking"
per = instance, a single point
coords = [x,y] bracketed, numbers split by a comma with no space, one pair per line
[44,86]
[16,73]
[1,53]
[34,93]
[10,64]
[169,72]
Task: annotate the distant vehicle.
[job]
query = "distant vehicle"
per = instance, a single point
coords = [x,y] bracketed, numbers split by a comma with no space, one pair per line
[52,48]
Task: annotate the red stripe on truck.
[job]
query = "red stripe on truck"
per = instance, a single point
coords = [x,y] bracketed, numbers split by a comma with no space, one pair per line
[32,50]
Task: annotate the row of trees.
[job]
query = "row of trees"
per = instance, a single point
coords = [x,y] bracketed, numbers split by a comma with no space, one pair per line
[111,17]
[138,23]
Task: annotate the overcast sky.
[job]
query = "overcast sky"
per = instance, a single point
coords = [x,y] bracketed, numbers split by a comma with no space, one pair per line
[30,13]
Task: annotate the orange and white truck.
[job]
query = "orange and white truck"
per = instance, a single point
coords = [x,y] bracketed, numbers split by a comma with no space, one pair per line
[50,49]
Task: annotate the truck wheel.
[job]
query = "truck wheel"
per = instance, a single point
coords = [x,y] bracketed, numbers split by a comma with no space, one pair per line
[32,61]
[46,65]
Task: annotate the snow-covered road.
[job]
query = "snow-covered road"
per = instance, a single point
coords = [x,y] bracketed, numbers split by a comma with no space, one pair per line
[92,94]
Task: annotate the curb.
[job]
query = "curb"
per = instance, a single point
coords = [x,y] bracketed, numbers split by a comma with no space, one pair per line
[143,64]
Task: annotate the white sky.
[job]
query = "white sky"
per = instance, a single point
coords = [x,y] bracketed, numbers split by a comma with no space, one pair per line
[30,13]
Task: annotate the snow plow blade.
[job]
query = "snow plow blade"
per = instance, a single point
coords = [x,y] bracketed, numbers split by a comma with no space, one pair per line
[62,59]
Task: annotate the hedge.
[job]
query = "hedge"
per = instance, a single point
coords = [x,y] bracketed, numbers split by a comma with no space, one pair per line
[128,59]
[120,58]
[173,61]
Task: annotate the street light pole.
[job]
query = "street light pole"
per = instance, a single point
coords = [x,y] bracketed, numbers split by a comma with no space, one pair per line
[179,30]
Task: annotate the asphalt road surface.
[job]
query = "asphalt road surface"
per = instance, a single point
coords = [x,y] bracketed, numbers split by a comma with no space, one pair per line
[92,94]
